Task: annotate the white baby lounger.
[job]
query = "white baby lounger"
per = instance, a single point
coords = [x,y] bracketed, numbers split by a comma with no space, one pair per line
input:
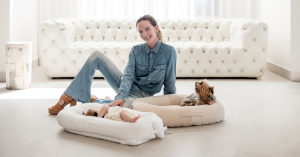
[149,126]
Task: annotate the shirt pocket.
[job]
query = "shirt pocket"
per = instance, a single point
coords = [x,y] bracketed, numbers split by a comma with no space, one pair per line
[158,75]
[141,70]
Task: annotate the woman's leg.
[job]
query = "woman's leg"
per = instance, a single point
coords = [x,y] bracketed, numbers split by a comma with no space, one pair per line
[80,87]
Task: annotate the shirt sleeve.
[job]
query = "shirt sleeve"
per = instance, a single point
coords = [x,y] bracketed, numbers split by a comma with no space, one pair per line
[128,77]
[170,77]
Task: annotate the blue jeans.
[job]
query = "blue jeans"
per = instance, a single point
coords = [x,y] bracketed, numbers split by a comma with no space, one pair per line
[80,87]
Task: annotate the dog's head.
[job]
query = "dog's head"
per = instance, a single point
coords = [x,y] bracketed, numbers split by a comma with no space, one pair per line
[204,90]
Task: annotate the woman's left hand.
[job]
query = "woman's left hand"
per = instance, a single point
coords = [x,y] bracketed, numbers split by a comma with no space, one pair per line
[118,102]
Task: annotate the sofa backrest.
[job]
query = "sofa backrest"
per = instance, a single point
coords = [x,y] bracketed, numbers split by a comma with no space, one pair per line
[210,30]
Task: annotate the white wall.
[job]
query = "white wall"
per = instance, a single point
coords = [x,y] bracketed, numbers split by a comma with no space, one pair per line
[277,14]
[19,22]
[24,23]
[4,34]
[283,20]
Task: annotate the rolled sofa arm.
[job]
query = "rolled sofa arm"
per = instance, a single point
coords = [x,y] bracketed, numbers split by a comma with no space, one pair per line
[245,32]
[55,37]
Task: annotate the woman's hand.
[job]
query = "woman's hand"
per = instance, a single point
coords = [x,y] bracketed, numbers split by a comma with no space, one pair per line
[118,102]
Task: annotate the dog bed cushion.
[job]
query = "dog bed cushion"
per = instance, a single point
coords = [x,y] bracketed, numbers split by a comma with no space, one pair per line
[168,108]
[149,125]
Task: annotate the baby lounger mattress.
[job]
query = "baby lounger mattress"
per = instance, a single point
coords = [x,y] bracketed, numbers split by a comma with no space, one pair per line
[149,126]
[168,108]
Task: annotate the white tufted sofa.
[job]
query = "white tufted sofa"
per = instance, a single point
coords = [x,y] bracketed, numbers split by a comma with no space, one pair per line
[205,48]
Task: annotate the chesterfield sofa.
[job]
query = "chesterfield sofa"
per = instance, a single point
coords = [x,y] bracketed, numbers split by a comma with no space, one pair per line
[205,48]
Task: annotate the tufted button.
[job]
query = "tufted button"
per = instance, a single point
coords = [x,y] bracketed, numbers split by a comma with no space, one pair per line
[105,52]
[184,28]
[229,71]
[163,28]
[234,61]
[200,38]
[185,61]
[98,27]
[212,38]
[129,27]
[52,40]
[264,29]
[62,29]
[261,70]
[192,71]
[117,52]
[263,50]
[119,27]
[217,27]
[92,37]
[107,26]
[204,71]
[254,39]
[203,51]
[206,27]
[197,61]
[123,61]
[43,30]
[54,60]
[81,37]
[253,60]
[209,61]
[195,27]
[192,51]
[241,70]
[178,51]
[66,70]
[217,71]
[216,52]
[179,71]
[245,50]
[179,38]
[74,61]
[44,50]
[222,61]
[228,52]
[79,51]
[46,69]
[87,27]
[173,28]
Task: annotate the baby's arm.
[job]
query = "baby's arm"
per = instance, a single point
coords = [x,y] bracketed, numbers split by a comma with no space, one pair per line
[103,111]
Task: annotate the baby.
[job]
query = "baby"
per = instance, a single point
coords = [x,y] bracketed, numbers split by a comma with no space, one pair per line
[113,113]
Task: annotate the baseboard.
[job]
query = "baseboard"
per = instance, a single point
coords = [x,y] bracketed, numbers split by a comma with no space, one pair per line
[35,63]
[283,72]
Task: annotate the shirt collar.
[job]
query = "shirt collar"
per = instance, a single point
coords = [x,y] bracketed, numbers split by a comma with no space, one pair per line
[155,49]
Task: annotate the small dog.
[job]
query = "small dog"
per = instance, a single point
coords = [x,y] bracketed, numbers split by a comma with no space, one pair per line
[204,95]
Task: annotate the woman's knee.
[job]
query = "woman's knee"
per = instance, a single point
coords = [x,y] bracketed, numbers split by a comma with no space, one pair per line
[97,54]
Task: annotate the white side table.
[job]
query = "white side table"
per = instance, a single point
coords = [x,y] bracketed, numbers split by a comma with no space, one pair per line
[18,65]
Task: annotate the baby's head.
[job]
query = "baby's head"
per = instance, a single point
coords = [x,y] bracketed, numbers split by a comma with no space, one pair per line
[91,112]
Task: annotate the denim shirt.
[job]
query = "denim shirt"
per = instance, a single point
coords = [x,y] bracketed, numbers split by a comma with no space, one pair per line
[150,70]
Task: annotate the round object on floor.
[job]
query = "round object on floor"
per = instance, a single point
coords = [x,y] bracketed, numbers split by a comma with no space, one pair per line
[149,125]
[168,108]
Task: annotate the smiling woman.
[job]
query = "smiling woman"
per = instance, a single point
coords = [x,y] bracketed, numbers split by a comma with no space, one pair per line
[151,66]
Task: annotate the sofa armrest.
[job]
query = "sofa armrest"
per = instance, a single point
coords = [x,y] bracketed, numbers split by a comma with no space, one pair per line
[245,32]
[57,33]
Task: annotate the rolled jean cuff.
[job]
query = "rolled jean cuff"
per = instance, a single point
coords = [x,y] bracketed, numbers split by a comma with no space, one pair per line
[120,97]
[103,101]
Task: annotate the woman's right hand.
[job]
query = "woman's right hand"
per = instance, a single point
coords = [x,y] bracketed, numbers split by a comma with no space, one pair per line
[118,102]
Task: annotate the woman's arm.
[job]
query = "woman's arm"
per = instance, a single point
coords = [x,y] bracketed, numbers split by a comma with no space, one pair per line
[126,81]
[170,77]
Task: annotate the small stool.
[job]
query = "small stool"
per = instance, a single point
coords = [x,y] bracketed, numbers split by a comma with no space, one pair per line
[18,65]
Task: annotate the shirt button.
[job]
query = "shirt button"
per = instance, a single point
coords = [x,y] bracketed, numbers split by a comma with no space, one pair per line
[151,55]
[150,67]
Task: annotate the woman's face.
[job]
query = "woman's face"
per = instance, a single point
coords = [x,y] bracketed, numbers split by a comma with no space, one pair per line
[148,33]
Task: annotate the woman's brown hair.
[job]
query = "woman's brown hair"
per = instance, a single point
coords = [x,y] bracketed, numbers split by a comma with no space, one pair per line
[153,23]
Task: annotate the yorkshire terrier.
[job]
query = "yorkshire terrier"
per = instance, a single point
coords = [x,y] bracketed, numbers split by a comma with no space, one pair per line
[204,95]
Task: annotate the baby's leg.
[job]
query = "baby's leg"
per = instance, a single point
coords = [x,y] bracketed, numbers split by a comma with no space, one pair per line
[127,118]
[103,111]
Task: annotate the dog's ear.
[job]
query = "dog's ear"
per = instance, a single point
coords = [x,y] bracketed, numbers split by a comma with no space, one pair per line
[211,89]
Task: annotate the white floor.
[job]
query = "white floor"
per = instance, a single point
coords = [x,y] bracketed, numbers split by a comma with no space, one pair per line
[262,119]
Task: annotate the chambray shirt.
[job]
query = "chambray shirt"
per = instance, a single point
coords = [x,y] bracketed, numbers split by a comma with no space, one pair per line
[150,70]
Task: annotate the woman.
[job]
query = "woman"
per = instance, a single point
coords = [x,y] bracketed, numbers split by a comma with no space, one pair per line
[151,65]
